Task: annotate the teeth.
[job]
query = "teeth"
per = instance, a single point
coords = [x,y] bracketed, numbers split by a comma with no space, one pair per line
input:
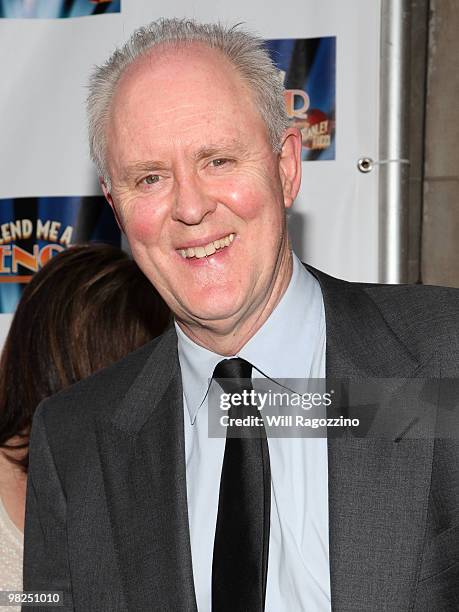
[208,249]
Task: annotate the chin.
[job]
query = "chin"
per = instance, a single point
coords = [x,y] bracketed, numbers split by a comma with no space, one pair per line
[212,312]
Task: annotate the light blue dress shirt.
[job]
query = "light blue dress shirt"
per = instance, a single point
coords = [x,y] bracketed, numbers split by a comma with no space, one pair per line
[290,344]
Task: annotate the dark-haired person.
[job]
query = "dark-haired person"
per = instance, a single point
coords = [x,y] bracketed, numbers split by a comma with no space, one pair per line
[86,309]
[197,157]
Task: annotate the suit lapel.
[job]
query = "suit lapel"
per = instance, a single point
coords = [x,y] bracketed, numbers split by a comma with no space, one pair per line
[143,462]
[378,488]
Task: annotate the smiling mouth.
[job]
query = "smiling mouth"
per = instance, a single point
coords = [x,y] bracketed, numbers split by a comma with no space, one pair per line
[208,249]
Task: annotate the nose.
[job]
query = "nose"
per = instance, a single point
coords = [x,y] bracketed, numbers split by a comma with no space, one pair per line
[192,200]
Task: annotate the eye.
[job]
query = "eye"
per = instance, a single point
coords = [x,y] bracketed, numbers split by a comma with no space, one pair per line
[221,161]
[150,179]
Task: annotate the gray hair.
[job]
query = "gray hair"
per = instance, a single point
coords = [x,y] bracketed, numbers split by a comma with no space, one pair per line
[244,50]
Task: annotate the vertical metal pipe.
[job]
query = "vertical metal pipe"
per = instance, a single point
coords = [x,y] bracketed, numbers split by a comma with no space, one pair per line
[394,140]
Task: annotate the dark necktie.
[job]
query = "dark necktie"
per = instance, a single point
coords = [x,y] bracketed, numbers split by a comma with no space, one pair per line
[240,559]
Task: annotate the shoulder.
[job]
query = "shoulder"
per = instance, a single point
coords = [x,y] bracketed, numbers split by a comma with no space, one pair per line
[423,315]
[99,394]
[418,297]
[424,318]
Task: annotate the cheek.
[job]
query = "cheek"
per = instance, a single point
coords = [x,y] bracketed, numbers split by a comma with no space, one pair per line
[259,208]
[143,220]
[247,199]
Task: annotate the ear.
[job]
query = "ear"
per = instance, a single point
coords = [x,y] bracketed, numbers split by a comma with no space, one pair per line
[108,197]
[290,165]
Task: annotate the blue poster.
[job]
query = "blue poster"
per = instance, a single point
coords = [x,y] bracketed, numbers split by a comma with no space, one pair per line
[56,9]
[32,230]
[308,67]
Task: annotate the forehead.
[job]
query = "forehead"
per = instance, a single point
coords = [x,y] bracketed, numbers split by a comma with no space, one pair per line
[187,94]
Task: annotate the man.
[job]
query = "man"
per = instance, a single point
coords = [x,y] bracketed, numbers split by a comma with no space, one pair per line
[131,506]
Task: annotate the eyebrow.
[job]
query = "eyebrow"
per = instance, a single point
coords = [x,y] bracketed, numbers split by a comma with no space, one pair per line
[139,167]
[223,148]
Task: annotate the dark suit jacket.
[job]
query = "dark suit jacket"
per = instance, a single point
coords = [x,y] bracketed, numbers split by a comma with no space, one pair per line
[106,502]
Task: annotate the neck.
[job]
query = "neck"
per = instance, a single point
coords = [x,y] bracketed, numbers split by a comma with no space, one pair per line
[229,339]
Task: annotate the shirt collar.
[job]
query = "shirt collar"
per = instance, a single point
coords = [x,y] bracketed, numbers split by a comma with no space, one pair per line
[282,348]
[197,365]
